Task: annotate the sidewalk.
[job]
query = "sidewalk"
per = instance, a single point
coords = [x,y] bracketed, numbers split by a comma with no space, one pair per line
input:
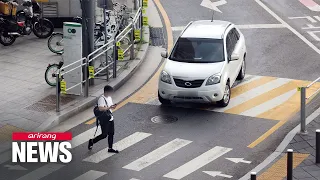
[304,164]
[27,103]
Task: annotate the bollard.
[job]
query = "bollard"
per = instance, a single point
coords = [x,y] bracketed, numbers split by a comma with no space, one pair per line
[289,164]
[303,111]
[318,146]
[253,176]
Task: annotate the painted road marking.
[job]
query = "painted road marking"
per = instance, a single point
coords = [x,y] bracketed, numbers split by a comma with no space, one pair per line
[91,175]
[84,137]
[213,5]
[238,160]
[305,17]
[313,34]
[244,26]
[310,26]
[42,172]
[217,173]
[157,154]
[278,170]
[198,162]
[257,110]
[254,93]
[313,6]
[121,145]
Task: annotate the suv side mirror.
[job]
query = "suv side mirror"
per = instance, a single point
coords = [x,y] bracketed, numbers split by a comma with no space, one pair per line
[164,54]
[234,57]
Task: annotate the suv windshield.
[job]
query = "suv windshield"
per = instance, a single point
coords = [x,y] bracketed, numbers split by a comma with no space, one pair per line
[198,50]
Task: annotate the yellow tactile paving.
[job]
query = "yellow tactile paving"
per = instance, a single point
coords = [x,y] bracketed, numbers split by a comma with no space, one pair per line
[247,87]
[6,132]
[278,170]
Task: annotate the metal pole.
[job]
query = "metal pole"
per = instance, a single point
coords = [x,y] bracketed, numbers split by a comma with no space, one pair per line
[135,4]
[86,75]
[132,42]
[58,92]
[289,164]
[105,35]
[141,25]
[115,57]
[318,146]
[253,176]
[303,111]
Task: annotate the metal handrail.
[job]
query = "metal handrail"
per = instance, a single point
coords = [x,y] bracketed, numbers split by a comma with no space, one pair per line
[99,52]
[311,84]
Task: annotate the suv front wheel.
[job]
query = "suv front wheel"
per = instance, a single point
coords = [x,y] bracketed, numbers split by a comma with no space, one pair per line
[163,101]
[226,96]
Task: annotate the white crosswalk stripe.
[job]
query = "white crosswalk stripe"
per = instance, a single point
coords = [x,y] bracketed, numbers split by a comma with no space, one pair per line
[91,175]
[84,137]
[254,93]
[197,162]
[42,172]
[157,154]
[121,145]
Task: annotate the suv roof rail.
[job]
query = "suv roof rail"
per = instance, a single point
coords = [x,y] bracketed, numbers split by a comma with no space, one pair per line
[186,28]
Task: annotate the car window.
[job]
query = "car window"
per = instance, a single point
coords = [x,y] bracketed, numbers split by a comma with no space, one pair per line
[229,44]
[198,50]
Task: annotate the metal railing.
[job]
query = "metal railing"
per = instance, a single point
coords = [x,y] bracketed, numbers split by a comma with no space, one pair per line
[102,51]
[303,104]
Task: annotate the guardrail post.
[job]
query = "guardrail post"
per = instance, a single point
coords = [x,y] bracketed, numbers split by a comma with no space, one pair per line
[57,92]
[141,23]
[318,146]
[132,42]
[289,164]
[115,57]
[253,176]
[86,79]
[303,111]
[135,4]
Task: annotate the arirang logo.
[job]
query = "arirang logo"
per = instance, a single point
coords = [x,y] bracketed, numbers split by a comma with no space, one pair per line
[73,31]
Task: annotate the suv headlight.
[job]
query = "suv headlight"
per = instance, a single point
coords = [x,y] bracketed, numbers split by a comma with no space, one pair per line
[165,77]
[214,79]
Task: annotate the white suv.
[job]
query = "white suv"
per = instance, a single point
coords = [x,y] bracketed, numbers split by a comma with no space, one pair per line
[206,60]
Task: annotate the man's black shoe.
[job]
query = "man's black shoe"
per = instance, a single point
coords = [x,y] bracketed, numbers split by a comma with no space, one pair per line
[113,151]
[90,144]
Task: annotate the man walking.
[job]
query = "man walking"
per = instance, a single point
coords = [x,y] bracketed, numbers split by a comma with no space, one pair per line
[106,122]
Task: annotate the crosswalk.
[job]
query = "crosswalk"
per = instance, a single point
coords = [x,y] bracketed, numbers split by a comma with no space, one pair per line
[263,97]
[147,160]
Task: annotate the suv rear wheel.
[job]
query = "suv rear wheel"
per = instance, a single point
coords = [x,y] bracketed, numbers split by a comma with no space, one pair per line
[242,72]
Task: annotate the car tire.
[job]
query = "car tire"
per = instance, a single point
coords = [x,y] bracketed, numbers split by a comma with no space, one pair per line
[226,97]
[242,72]
[163,101]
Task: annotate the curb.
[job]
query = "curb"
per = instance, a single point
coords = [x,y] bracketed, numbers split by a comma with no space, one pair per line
[115,83]
[284,143]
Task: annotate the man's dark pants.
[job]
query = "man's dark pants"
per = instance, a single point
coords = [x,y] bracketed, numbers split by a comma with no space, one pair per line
[107,128]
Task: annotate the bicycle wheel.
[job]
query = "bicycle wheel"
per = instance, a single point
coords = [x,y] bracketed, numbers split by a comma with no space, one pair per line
[102,65]
[48,76]
[55,43]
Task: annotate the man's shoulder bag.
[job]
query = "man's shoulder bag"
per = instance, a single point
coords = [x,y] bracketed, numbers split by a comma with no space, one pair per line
[101,115]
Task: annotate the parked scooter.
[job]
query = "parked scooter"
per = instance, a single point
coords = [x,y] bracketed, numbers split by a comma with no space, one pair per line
[26,22]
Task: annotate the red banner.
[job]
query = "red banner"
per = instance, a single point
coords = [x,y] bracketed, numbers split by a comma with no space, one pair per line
[41,136]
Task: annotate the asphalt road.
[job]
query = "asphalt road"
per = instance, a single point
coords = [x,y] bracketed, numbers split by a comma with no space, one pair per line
[198,143]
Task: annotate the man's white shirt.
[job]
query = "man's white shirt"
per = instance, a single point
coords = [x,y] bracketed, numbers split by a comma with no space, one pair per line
[102,103]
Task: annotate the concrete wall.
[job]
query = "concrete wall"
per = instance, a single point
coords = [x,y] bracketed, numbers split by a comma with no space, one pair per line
[68,8]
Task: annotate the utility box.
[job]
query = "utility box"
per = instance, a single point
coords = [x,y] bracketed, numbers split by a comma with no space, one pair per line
[72,39]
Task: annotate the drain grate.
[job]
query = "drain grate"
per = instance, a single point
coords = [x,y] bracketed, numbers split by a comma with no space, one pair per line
[49,103]
[157,37]
[164,119]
